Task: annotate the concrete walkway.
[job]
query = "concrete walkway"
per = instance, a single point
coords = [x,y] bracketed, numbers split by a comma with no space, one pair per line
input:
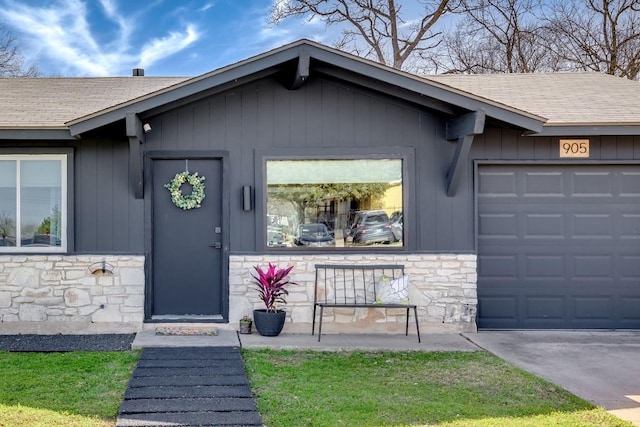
[433,342]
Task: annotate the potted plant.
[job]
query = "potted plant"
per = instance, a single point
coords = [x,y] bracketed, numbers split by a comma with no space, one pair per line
[245,325]
[272,289]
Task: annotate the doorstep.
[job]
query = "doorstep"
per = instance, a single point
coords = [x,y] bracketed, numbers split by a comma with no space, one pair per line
[149,338]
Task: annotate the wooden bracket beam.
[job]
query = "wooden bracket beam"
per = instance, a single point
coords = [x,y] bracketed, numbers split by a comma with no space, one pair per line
[302,71]
[462,129]
[136,139]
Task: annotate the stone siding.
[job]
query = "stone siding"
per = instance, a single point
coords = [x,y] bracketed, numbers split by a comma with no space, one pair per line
[59,289]
[442,285]
[49,293]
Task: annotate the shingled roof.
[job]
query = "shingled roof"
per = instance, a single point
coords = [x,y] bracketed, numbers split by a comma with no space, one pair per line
[27,103]
[565,99]
[567,103]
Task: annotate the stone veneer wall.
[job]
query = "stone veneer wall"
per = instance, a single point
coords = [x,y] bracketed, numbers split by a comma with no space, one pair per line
[442,285]
[60,289]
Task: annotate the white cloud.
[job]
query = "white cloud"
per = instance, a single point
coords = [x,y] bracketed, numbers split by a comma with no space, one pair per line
[161,48]
[280,4]
[111,10]
[206,7]
[61,33]
[286,31]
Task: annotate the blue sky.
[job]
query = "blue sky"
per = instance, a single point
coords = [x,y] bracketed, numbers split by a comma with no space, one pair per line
[165,37]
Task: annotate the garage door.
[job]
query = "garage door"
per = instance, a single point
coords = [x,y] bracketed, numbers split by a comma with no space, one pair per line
[559,246]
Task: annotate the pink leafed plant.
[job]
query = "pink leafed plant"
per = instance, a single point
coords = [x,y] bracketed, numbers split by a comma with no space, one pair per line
[271,285]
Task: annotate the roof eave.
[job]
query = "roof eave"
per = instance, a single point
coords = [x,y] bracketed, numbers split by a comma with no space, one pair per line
[274,58]
[56,134]
[430,88]
[187,88]
[588,130]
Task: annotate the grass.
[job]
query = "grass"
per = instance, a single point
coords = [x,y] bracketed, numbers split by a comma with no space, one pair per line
[63,389]
[295,388]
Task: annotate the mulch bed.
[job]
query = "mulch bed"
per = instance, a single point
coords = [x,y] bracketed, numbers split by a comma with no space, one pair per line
[50,343]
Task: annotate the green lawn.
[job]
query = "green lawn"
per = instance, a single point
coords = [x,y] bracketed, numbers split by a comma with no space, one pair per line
[295,388]
[63,389]
[408,389]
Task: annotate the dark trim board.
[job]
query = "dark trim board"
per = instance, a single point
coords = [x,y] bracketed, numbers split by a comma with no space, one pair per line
[223,156]
[409,175]
[462,128]
[433,104]
[587,130]
[136,139]
[37,134]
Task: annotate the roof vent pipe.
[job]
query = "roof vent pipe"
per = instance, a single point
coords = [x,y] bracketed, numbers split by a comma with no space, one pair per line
[138,72]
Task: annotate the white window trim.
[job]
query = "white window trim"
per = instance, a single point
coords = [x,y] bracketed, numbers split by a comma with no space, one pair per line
[63,158]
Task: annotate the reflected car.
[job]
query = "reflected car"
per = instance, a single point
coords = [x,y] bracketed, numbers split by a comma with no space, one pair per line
[313,235]
[7,241]
[43,240]
[371,227]
[275,239]
[397,225]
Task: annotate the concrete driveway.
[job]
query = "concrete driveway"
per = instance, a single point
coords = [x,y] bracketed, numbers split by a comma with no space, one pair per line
[601,367]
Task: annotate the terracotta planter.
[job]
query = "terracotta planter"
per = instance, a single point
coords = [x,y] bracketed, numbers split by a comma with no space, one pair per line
[269,324]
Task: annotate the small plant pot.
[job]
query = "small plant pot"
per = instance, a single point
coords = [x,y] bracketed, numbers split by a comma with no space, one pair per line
[245,328]
[269,324]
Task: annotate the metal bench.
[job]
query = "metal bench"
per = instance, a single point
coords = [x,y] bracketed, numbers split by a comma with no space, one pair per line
[354,286]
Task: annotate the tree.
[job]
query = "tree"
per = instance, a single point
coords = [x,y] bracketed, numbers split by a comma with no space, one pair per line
[308,196]
[597,35]
[510,36]
[7,225]
[499,36]
[12,63]
[389,37]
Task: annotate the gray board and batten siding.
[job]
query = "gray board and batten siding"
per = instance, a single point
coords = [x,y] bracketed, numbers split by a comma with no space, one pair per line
[324,117]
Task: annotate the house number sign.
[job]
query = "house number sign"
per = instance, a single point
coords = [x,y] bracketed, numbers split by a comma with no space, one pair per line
[574,148]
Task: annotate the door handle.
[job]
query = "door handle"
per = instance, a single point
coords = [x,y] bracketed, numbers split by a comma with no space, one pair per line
[216,245]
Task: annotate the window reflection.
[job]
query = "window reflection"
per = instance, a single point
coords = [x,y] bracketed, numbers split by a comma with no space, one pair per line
[7,203]
[31,201]
[40,200]
[334,203]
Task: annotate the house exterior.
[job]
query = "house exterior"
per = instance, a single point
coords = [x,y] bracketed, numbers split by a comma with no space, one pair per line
[515,199]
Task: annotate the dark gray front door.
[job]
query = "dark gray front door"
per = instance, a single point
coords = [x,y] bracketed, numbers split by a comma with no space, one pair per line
[559,246]
[187,244]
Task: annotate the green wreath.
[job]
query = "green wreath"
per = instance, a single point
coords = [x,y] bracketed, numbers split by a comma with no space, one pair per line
[189,201]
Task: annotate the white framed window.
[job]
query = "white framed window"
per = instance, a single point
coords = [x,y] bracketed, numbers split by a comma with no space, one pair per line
[315,203]
[33,203]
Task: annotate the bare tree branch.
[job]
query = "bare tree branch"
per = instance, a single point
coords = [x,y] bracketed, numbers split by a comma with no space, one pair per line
[498,36]
[12,63]
[598,35]
[492,36]
[380,24]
